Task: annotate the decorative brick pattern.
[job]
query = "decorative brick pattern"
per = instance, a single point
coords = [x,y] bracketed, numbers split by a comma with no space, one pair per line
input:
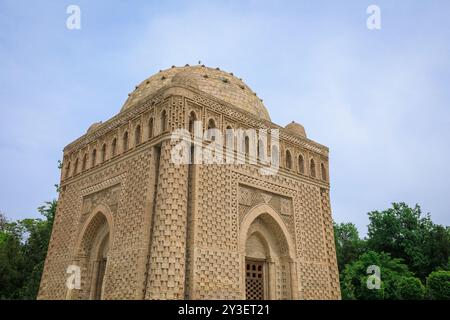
[167,253]
[213,216]
[178,231]
[329,245]
[217,275]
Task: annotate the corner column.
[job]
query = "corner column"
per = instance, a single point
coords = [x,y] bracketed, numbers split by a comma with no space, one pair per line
[168,243]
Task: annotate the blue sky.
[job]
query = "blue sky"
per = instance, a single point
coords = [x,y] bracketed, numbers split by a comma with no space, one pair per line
[378,99]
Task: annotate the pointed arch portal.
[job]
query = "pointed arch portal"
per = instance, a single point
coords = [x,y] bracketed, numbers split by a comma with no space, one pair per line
[267,253]
[92,252]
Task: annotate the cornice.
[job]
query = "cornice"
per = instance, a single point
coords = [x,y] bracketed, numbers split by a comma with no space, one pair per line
[198,97]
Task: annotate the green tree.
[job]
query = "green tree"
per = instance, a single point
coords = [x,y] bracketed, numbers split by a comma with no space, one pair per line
[406,234]
[410,288]
[436,248]
[12,259]
[23,247]
[3,221]
[36,247]
[355,277]
[348,244]
[438,285]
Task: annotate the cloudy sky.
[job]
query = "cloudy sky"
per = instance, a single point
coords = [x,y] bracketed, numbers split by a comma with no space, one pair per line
[378,98]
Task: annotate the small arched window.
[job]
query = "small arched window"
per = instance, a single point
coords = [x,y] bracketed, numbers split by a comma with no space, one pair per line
[211,125]
[275,155]
[137,135]
[84,164]
[229,137]
[125,141]
[75,167]
[94,158]
[104,152]
[261,150]
[192,119]
[150,128]
[114,147]
[323,171]
[288,160]
[312,168]
[163,121]
[247,146]
[301,164]
[67,173]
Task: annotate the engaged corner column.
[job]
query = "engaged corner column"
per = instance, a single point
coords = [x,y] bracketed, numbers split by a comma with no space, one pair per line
[168,242]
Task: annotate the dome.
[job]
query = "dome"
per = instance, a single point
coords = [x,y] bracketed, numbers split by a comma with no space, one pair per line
[296,128]
[94,126]
[218,83]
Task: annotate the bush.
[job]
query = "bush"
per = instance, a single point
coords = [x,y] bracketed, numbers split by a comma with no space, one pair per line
[438,285]
[355,276]
[410,288]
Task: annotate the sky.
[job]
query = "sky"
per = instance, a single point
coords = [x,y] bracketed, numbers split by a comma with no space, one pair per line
[379,99]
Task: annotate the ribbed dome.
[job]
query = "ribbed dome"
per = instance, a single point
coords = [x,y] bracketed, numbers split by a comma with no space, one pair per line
[215,82]
[296,128]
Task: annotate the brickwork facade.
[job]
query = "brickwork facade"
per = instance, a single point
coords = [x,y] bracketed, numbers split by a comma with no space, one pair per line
[142,227]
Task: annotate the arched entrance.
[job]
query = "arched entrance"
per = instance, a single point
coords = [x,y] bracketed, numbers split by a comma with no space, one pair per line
[92,255]
[97,261]
[268,256]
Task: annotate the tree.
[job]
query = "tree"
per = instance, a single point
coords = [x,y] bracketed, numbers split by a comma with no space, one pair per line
[3,221]
[23,247]
[348,244]
[410,288]
[438,285]
[12,263]
[36,247]
[406,234]
[355,277]
[436,247]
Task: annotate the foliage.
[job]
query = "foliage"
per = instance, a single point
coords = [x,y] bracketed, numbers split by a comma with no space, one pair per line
[348,244]
[23,247]
[355,277]
[410,288]
[12,262]
[438,285]
[406,234]
[405,244]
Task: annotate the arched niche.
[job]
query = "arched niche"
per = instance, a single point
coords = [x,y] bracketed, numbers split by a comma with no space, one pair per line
[268,256]
[92,252]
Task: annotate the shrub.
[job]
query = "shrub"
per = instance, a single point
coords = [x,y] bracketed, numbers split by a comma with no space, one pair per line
[438,285]
[410,288]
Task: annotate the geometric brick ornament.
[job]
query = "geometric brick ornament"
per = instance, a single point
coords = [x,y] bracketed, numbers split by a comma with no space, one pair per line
[132,224]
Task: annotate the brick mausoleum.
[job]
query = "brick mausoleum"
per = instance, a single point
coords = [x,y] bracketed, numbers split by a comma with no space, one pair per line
[142,227]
